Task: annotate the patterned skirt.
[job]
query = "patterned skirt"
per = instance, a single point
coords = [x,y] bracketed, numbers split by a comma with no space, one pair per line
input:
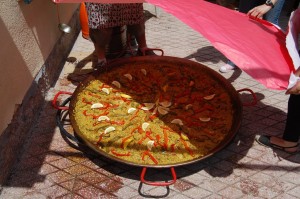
[111,15]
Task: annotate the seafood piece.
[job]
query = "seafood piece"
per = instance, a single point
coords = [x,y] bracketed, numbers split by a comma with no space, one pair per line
[150,144]
[165,103]
[177,121]
[145,126]
[144,71]
[131,110]
[204,119]
[209,97]
[109,129]
[148,106]
[187,107]
[116,83]
[103,118]
[105,90]
[129,76]
[97,105]
[163,110]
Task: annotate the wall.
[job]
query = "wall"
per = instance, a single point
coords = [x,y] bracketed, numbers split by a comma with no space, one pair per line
[28,34]
[32,53]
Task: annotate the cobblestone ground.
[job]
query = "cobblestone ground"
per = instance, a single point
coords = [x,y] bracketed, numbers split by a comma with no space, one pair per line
[50,167]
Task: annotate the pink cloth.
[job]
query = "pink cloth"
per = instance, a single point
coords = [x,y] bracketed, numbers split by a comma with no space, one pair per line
[99,1]
[257,47]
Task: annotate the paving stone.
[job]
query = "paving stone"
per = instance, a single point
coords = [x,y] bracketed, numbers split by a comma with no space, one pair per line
[231,192]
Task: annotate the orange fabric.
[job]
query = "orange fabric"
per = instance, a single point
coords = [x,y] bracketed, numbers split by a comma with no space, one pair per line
[84,21]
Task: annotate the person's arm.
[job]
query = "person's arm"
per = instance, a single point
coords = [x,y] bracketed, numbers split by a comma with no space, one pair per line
[259,11]
[295,89]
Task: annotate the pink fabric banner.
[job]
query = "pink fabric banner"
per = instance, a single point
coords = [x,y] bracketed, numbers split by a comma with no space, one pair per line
[99,1]
[257,47]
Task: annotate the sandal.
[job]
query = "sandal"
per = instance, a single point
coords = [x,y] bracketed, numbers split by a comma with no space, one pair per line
[265,140]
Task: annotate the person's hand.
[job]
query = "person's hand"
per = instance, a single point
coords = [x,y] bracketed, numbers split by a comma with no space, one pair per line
[294,90]
[259,11]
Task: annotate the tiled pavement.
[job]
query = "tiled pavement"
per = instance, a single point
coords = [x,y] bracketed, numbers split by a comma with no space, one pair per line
[50,168]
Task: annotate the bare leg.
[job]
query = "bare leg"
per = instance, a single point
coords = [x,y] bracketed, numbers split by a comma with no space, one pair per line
[101,39]
[138,30]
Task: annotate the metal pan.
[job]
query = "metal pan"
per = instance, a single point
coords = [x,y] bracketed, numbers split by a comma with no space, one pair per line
[154,61]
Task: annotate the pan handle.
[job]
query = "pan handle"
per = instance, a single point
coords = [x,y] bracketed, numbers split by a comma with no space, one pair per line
[54,101]
[153,49]
[158,183]
[254,102]
[60,125]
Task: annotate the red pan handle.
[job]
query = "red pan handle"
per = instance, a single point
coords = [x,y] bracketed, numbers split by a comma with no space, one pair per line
[153,49]
[54,101]
[158,183]
[254,102]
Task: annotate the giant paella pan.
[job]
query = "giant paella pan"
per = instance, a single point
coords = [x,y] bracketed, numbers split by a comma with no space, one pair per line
[155,111]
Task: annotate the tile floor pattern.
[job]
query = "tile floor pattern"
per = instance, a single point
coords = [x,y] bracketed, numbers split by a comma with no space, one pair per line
[50,168]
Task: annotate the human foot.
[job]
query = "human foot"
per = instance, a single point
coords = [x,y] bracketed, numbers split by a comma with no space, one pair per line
[278,143]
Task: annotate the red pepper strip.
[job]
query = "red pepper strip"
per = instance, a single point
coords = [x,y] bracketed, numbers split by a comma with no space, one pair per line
[166,128]
[137,128]
[148,134]
[158,140]
[119,154]
[108,106]
[124,140]
[135,114]
[117,122]
[114,106]
[128,101]
[100,138]
[104,86]
[142,140]
[86,102]
[165,139]
[94,95]
[133,117]
[172,147]
[121,98]
[94,116]
[110,122]
[152,117]
[116,90]
[150,155]
[187,147]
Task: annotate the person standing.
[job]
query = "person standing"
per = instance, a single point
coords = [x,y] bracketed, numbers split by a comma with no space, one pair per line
[290,138]
[102,18]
